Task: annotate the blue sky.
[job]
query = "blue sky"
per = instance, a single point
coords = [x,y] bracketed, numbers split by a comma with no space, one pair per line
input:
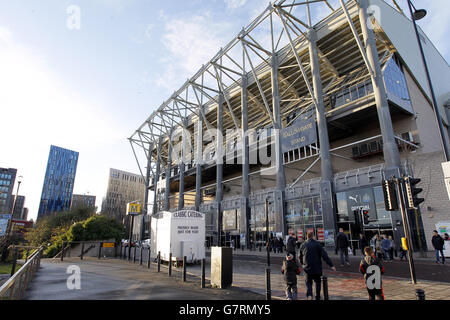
[88,89]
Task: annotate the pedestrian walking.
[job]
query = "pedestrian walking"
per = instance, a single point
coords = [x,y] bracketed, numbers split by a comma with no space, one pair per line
[378,247]
[291,243]
[342,245]
[362,243]
[393,248]
[290,269]
[386,246]
[438,244]
[311,255]
[372,269]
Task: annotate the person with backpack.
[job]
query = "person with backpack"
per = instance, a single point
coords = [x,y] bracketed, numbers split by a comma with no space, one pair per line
[290,269]
[372,269]
[311,255]
[438,244]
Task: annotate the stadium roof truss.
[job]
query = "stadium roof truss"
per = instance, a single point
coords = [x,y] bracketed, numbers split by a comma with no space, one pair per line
[282,29]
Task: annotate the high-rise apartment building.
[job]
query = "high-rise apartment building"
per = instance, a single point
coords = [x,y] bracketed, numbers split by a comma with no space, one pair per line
[18,205]
[59,180]
[7,178]
[83,200]
[123,187]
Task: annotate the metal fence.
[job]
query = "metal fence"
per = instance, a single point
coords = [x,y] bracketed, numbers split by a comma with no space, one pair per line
[14,288]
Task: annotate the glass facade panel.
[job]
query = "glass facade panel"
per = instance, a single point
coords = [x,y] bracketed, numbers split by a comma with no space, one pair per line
[59,180]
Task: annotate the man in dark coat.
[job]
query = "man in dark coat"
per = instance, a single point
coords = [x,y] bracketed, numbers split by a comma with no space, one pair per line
[342,245]
[311,255]
[291,244]
[438,244]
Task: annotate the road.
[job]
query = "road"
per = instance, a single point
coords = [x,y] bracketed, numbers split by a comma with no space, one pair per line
[425,270]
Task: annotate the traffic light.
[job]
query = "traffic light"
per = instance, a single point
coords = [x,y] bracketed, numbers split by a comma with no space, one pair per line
[412,199]
[365,217]
[390,195]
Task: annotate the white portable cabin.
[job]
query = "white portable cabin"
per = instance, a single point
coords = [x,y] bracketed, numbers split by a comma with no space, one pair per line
[181,233]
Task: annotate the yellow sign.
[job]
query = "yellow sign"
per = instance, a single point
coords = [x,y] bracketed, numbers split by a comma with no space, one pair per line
[133,208]
[108,245]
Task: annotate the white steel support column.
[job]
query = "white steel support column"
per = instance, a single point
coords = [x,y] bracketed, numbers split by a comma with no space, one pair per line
[156,177]
[182,166]
[245,207]
[279,206]
[199,162]
[145,205]
[168,173]
[326,195]
[219,166]
[390,149]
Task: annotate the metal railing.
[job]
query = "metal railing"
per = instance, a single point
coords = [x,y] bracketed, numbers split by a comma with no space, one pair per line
[14,288]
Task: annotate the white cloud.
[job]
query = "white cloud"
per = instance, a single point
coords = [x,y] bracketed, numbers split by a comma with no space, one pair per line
[233,4]
[191,41]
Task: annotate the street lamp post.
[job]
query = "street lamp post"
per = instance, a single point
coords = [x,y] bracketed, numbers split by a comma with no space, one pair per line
[266,207]
[19,181]
[10,225]
[417,15]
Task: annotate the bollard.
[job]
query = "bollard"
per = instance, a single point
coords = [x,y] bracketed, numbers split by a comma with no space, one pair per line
[259,248]
[184,268]
[268,291]
[82,251]
[13,269]
[203,273]
[170,264]
[134,254]
[62,251]
[100,250]
[148,259]
[120,251]
[242,248]
[140,257]
[420,294]
[159,261]
[325,288]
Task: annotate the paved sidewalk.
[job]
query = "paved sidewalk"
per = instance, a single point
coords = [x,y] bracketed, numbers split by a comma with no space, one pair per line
[120,279]
[250,275]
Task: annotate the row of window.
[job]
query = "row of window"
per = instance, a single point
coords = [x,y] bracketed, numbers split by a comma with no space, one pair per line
[5,182]
[5,176]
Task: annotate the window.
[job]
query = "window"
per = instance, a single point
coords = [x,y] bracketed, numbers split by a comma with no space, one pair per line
[395,80]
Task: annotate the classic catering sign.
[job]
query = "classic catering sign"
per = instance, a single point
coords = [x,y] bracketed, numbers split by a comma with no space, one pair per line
[301,133]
